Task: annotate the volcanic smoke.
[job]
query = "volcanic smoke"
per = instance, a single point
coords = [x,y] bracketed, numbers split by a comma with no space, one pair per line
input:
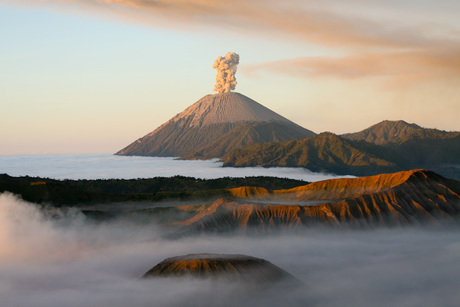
[226,70]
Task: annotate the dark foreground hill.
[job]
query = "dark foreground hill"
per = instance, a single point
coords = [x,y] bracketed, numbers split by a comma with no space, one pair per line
[385,147]
[212,121]
[414,197]
[73,192]
[239,268]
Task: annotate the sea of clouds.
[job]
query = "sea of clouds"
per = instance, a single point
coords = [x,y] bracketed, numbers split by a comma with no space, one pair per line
[111,166]
[52,257]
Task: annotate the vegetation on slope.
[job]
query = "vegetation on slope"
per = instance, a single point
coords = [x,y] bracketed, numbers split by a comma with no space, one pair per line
[380,149]
[323,152]
[71,192]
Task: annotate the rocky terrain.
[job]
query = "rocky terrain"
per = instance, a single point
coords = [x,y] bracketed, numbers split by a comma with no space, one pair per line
[188,207]
[416,197]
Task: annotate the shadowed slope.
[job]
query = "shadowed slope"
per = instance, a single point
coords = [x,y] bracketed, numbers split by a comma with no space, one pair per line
[323,152]
[411,146]
[385,147]
[251,133]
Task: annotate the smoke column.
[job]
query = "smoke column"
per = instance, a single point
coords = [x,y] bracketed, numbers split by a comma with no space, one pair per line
[226,70]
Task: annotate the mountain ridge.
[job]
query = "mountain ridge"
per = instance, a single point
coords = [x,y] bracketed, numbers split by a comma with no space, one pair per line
[432,149]
[416,197]
[322,152]
[387,131]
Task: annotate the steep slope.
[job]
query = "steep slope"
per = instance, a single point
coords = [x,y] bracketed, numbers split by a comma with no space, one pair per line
[249,192]
[234,267]
[412,197]
[203,123]
[252,133]
[323,152]
[346,187]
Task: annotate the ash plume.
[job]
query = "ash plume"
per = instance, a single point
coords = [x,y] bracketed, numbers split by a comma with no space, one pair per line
[226,69]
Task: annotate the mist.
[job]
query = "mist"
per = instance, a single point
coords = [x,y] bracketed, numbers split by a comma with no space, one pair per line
[124,167]
[51,257]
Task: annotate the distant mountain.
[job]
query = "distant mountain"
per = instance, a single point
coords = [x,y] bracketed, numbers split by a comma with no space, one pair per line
[415,197]
[411,146]
[399,131]
[323,152]
[385,147]
[208,121]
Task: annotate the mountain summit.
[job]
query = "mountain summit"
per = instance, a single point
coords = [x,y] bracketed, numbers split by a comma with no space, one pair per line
[386,132]
[212,120]
[227,108]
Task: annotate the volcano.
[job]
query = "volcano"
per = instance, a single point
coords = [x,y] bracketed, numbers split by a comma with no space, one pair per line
[232,267]
[213,126]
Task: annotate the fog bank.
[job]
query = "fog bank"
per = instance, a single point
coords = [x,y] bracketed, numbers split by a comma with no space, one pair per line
[127,167]
[58,258]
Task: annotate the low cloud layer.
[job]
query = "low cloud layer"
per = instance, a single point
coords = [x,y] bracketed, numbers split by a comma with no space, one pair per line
[125,167]
[56,258]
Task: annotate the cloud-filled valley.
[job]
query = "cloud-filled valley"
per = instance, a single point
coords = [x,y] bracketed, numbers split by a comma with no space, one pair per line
[52,257]
[110,166]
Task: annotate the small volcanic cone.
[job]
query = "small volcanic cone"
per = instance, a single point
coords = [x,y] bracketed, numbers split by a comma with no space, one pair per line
[233,267]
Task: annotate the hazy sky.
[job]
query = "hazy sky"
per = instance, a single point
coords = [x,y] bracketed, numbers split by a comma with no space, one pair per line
[91,76]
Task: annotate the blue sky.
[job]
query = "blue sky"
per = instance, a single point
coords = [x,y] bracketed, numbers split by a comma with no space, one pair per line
[91,76]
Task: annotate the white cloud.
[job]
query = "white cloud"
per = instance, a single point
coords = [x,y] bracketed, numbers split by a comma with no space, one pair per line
[109,166]
[397,267]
